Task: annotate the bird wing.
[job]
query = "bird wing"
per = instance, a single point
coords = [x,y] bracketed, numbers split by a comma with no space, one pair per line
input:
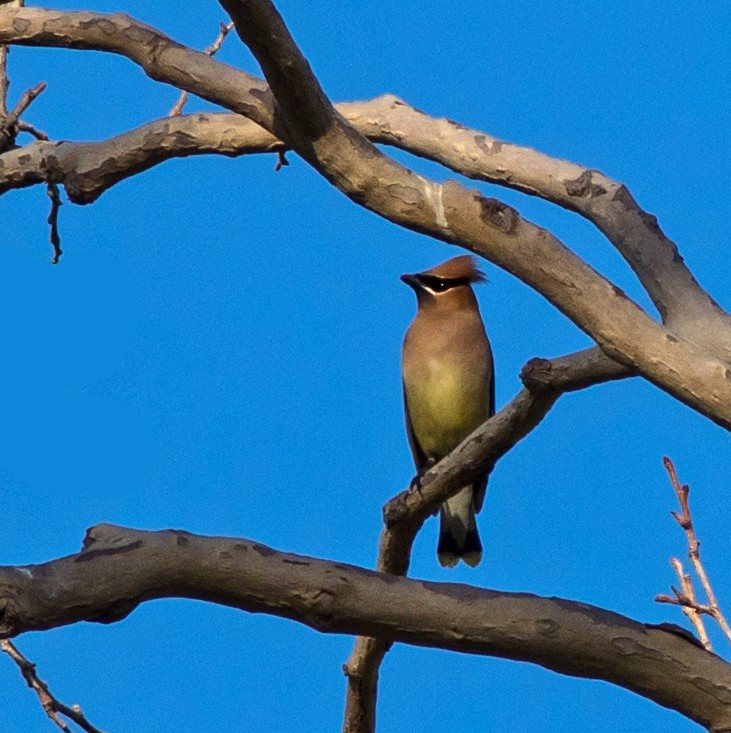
[491,397]
[420,460]
[479,488]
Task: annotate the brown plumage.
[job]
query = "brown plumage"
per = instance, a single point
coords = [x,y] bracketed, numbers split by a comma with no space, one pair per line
[462,267]
[448,389]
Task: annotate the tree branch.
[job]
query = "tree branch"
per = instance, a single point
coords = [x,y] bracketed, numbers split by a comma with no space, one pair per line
[606,203]
[686,599]
[54,237]
[223,30]
[304,118]
[51,705]
[9,121]
[120,568]
[4,82]
[545,381]
[88,169]
[448,212]
[458,215]
[682,303]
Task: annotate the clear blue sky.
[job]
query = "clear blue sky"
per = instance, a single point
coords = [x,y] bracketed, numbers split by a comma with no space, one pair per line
[218,350]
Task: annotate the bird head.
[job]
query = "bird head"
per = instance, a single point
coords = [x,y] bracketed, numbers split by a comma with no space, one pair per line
[448,283]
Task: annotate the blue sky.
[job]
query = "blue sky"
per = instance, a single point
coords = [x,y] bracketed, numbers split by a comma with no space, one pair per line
[218,351]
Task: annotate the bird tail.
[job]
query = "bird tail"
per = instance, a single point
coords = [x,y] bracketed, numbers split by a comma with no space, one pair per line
[458,536]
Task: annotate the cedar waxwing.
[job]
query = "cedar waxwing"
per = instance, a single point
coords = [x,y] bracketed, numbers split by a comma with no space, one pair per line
[449,390]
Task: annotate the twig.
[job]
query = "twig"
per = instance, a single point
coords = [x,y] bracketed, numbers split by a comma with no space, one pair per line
[9,129]
[4,81]
[281,160]
[54,237]
[32,130]
[51,706]
[687,601]
[686,598]
[224,30]
[24,102]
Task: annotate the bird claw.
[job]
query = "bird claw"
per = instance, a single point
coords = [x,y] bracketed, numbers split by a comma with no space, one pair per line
[415,484]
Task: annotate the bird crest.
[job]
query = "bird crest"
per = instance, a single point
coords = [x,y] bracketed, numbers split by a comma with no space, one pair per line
[463,267]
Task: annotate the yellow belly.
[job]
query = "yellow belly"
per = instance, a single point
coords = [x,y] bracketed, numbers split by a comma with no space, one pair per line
[445,407]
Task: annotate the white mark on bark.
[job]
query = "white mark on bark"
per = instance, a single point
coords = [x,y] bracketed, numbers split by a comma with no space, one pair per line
[435,195]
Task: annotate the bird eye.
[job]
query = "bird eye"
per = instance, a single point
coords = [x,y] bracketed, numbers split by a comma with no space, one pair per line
[437,284]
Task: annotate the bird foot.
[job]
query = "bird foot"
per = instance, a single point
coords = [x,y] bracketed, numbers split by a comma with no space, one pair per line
[415,484]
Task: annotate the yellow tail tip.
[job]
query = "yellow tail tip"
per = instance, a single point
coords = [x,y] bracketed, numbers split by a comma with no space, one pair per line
[447,559]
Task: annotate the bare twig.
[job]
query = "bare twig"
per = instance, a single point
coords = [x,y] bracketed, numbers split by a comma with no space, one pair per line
[51,706]
[54,237]
[9,126]
[32,130]
[4,81]
[224,30]
[281,160]
[687,601]
[25,101]
[686,597]
[10,123]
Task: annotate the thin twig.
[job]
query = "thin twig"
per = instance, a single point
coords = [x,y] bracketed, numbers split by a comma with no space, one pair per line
[32,130]
[686,598]
[224,30]
[8,128]
[4,81]
[24,102]
[687,601]
[54,237]
[281,160]
[51,706]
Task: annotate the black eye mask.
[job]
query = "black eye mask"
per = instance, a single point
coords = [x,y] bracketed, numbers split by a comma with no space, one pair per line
[440,284]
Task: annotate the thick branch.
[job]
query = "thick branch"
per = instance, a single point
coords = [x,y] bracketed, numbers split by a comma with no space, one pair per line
[461,216]
[474,154]
[682,303]
[119,568]
[161,58]
[448,212]
[88,169]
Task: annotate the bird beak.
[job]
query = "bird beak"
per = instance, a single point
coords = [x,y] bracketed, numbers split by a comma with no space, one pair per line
[411,281]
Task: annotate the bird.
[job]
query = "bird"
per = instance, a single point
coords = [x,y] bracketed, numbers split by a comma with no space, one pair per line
[449,390]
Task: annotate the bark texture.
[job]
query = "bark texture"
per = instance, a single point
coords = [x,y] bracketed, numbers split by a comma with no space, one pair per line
[686,351]
[688,356]
[120,568]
